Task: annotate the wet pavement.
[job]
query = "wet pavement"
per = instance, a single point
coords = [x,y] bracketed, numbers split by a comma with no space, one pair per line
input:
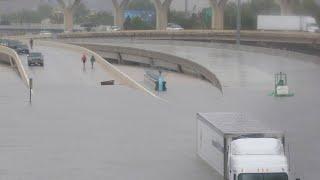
[247,79]
[76,129]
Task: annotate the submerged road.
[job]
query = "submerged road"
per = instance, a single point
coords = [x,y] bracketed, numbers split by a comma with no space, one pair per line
[76,129]
[247,79]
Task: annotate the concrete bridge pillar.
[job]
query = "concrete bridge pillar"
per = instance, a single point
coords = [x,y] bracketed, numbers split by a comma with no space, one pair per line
[68,9]
[162,9]
[286,7]
[118,9]
[218,13]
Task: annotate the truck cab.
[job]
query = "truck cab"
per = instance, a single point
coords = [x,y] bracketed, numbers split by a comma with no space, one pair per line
[257,159]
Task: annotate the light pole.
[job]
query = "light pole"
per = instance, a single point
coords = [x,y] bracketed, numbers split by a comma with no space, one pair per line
[238,22]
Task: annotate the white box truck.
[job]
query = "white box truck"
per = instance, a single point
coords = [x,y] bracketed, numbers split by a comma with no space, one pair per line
[287,23]
[241,149]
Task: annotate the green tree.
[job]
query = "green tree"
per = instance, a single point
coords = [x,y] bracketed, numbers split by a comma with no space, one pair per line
[100,18]
[81,13]
[45,11]
[141,5]
[187,22]
[308,8]
[249,13]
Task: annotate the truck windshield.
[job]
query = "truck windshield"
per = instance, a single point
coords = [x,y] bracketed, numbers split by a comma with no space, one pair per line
[263,176]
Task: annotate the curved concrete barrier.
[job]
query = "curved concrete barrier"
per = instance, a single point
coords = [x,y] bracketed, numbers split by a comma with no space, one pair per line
[122,77]
[160,59]
[14,59]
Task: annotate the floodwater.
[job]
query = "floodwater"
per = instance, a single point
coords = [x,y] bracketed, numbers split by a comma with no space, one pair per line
[76,129]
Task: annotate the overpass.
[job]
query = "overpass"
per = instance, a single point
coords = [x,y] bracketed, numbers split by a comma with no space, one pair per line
[295,41]
[162,9]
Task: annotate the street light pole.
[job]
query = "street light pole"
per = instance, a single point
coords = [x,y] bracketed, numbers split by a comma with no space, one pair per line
[238,22]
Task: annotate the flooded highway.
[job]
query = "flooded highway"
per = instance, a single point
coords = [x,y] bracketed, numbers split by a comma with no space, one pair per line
[77,129]
[247,80]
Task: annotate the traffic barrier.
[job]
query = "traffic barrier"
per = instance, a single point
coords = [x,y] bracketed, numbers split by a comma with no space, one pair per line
[181,64]
[122,77]
[13,58]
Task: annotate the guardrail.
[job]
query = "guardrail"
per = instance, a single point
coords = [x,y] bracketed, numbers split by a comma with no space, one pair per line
[17,62]
[124,78]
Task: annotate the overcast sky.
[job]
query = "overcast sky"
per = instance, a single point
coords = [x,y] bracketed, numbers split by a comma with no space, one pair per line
[13,5]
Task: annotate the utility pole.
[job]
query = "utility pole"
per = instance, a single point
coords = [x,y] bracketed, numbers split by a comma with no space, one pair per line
[238,22]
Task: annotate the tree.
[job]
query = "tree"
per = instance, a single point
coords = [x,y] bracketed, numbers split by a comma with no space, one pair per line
[307,8]
[80,13]
[127,23]
[141,5]
[187,22]
[100,18]
[44,11]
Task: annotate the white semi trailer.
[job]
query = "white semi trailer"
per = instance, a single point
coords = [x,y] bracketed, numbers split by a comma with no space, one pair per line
[241,149]
[287,23]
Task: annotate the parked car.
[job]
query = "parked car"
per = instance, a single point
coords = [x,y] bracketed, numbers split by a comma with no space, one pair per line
[174,27]
[115,28]
[35,58]
[4,42]
[13,44]
[22,49]
[45,33]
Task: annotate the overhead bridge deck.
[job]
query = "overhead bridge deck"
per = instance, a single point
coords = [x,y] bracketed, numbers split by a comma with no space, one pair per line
[304,42]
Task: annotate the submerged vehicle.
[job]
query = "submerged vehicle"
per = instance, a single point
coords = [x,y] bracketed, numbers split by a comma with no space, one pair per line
[241,149]
[22,49]
[281,88]
[35,58]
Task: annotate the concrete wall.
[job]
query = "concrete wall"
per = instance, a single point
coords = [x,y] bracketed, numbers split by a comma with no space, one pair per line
[205,35]
[156,59]
[9,56]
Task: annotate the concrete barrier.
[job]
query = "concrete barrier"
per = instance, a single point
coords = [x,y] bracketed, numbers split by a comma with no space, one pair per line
[14,60]
[122,77]
[160,59]
[205,35]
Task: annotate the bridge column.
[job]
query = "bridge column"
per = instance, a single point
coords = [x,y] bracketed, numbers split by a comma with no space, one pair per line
[286,6]
[162,10]
[68,9]
[118,10]
[218,13]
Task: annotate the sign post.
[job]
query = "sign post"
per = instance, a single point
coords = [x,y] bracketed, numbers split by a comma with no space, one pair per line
[30,88]
[238,22]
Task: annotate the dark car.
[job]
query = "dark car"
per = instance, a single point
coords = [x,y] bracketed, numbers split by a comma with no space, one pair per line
[13,44]
[4,42]
[22,49]
[35,58]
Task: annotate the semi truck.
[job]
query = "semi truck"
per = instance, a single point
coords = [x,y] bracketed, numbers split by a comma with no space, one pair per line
[241,149]
[287,23]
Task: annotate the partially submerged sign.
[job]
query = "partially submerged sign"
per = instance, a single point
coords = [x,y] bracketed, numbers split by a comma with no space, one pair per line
[107,83]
